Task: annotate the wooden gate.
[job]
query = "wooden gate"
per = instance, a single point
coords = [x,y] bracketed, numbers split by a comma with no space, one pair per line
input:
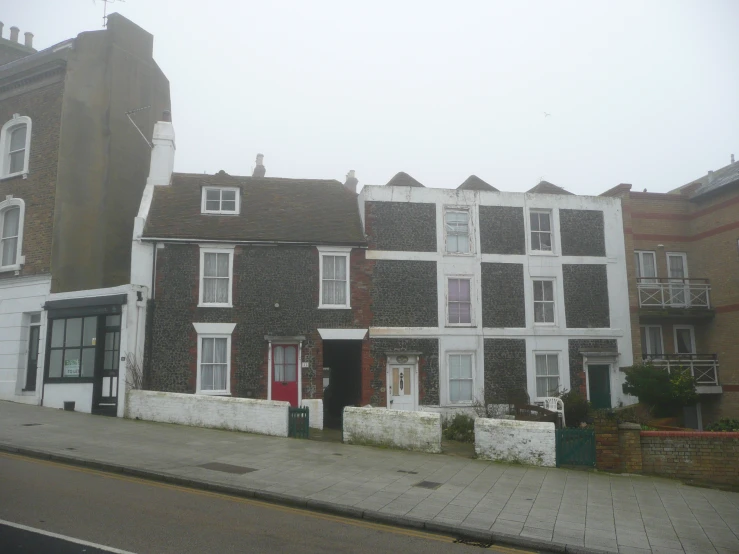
[575,447]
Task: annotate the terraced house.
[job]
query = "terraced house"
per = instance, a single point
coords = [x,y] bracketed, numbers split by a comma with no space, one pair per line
[684,284]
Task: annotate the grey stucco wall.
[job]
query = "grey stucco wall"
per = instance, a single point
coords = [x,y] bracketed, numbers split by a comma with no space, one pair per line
[401,226]
[404,294]
[503,302]
[582,232]
[575,347]
[505,368]
[586,295]
[428,393]
[502,230]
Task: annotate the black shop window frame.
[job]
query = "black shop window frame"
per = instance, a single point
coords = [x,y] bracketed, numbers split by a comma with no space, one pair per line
[84,344]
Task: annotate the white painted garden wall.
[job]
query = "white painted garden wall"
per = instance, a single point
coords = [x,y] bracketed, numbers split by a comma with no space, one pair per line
[315,412]
[525,442]
[266,417]
[394,428]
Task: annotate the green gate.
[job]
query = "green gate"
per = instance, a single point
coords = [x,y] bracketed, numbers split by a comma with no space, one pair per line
[575,447]
[297,423]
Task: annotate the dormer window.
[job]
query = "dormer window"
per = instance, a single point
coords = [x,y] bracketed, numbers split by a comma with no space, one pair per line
[15,146]
[220,200]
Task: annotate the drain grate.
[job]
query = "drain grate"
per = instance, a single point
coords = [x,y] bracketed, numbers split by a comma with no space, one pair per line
[227,468]
[428,485]
[31,424]
[473,543]
[407,471]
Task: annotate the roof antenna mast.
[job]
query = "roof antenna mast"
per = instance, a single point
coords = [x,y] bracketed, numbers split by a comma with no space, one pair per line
[143,136]
[105,9]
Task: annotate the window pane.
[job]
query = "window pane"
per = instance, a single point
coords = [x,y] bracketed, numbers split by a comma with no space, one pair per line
[545,240]
[649,265]
[644,346]
[454,368]
[454,391]
[88,362]
[228,206]
[209,290]
[328,267]
[72,362]
[113,321]
[340,268]
[552,365]
[206,355]
[684,342]
[213,195]
[108,360]
[220,372]
[16,161]
[206,377]
[548,290]
[55,362]
[534,221]
[677,269]
[544,222]
[463,244]
[465,366]
[465,390]
[74,332]
[221,290]
[18,138]
[655,339]
[328,292]
[538,291]
[220,351]
[10,251]
[539,316]
[11,217]
[541,364]
[279,354]
[454,312]
[228,195]
[209,270]
[465,315]
[90,331]
[57,333]
[454,290]
[212,205]
[464,290]
[340,292]
[35,318]
[222,265]
[549,312]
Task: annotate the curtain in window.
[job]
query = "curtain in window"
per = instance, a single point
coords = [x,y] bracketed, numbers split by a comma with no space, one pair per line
[216,281]
[684,341]
[547,375]
[17,149]
[214,364]
[334,280]
[460,378]
[9,237]
[285,363]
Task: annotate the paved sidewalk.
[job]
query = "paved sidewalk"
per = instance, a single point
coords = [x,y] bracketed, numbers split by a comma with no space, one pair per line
[553,509]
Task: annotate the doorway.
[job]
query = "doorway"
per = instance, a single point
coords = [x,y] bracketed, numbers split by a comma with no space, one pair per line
[285,373]
[599,386]
[342,367]
[402,382]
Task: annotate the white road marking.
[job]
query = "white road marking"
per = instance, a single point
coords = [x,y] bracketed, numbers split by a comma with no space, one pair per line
[65,537]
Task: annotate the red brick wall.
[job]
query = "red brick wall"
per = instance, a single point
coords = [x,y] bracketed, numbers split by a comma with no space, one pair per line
[692,456]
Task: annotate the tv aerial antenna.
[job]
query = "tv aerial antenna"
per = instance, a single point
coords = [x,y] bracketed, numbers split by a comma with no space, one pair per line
[105,9]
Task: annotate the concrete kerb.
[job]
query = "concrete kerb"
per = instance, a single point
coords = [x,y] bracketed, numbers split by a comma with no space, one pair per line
[458,532]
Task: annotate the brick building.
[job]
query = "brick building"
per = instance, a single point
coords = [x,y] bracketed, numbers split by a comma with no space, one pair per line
[72,170]
[684,283]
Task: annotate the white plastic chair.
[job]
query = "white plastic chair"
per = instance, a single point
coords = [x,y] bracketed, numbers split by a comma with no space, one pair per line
[554,404]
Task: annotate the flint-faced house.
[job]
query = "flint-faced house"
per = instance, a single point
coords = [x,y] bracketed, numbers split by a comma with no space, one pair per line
[477,294]
[258,285]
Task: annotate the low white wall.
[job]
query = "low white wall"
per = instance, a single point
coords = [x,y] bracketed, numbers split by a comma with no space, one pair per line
[393,428]
[266,417]
[315,412]
[56,394]
[526,442]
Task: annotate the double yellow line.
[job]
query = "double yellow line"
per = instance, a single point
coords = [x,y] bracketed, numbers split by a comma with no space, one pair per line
[252,502]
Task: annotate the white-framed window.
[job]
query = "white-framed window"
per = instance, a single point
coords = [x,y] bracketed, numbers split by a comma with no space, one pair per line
[547,373]
[335,286]
[459,300]
[544,302]
[646,265]
[652,345]
[15,146]
[221,200]
[214,358]
[12,212]
[541,231]
[457,229]
[684,339]
[216,277]
[461,377]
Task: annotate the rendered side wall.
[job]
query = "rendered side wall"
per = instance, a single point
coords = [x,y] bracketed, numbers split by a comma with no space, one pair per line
[524,442]
[394,428]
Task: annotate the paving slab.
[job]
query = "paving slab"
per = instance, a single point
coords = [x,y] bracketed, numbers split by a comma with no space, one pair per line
[524,506]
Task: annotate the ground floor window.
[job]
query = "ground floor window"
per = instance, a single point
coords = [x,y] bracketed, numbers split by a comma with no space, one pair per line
[460,378]
[547,375]
[72,348]
[214,364]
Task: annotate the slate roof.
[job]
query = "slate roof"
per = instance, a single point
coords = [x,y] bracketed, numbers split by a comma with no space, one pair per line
[402,179]
[309,211]
[473,182]
[545,187]
[712,181]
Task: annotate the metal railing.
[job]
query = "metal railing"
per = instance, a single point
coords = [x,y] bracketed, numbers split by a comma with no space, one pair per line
[704,367]
[667,292]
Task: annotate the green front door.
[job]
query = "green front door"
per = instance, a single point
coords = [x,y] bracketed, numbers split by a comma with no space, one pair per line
[599,385]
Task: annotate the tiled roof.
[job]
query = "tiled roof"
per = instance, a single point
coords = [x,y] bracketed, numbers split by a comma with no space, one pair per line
[548,188]
[402,179]
[712,181]
[473,182]
[309,211]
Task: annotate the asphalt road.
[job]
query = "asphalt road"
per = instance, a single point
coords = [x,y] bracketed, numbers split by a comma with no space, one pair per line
[139,516]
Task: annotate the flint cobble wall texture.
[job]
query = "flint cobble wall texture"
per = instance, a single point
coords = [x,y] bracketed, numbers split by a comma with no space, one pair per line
[502,230]
[577,371]
[503,302]
[586,296]
[505,368]
[404,294]
[401,226]
[582,232]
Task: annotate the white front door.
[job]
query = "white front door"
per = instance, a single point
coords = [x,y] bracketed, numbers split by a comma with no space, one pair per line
[401,386]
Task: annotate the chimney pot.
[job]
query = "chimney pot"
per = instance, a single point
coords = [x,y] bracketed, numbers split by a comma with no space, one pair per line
[1,29]
[167,116]
[351,181]
[29,39]
[732,158]
[14,33]
[259,169]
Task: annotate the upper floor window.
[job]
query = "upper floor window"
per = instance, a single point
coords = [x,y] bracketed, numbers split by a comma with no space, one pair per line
[652,345]
[11,233]
[334,269]
[646,264]
[541,230]
[459,301]
[15,146]
[544,301]
[216,277]
[220,200]
[457,228]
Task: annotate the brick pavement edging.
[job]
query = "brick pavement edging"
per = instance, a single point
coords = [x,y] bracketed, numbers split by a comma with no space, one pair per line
[459,532]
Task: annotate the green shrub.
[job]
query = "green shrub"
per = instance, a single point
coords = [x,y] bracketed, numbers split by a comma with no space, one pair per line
[666,392]
[577,408]
[460,427]
[725,424]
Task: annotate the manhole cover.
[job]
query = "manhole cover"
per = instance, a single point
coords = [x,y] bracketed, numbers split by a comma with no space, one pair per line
[31,424]
[428,485]
[406,471]
[227,468]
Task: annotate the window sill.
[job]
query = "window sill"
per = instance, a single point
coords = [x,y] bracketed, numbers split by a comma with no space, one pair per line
[214,393]
[219,213]
[23,174]
[332,307]
[545,324]
[541,253]
[460,254]
[7,268]
[215,306]
[462,325]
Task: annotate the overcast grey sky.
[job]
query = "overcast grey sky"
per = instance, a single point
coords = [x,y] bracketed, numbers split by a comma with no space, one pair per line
[641,92]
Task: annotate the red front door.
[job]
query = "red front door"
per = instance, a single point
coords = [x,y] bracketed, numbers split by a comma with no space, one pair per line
[285,373]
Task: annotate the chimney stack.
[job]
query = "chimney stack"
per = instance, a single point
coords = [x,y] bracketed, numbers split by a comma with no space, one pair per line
[1,29]
[162,153]
[732,158]
[351,181]
[259,169]
[14,33]
[29,39]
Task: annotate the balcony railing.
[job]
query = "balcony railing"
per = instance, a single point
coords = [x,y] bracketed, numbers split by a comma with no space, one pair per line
[666,292]
[704,367]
